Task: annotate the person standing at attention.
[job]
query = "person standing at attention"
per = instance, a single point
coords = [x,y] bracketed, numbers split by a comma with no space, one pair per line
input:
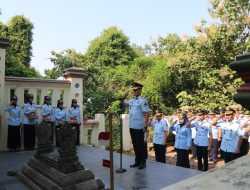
[14,122]
[60,118]
[183,140]
[203,139]
[73,118]
[230,135]
[48,114]
[138,118]
[29,122]
[160,127]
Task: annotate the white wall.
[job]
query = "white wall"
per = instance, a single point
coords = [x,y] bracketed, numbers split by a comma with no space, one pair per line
[2,90]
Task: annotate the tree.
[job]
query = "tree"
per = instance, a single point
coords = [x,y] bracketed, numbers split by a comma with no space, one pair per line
[111,48]
[63,60]
[18,55]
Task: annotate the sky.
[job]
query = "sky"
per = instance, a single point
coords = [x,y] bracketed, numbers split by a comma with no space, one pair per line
[63,24]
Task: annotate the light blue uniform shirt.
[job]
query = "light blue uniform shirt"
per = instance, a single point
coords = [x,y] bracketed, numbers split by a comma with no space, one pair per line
[231,134]
[14,118]
[160,129]
[60,116]
[137,107]
[183,137]
[48,111]
[28,109]
[215,128]
[74,113]
[202,132]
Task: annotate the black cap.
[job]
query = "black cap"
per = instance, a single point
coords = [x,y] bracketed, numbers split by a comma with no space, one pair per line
[202,112]
[14,97]
[137,85]
[46,97]
[30,96]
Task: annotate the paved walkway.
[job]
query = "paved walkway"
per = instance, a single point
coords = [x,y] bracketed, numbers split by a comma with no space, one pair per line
[155,176]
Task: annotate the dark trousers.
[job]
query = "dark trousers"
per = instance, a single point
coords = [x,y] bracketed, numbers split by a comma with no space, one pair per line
[214,150]
[56,133]
[140,148]
[229,156]
[202,156]
[160,153]
[29,136]
[182,158]
[14,137]
[77,126]
[244,148]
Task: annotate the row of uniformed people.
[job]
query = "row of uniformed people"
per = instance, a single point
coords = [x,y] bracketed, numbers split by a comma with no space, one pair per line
[28,117]
[212,132]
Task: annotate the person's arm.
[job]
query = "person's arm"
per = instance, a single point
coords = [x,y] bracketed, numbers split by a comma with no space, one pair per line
[7,109]
[58,116]
[219,134]
[27,110]
[45,112]
[145,109]
[38,106]
[210,138]
[173,128]
[78,118]
[189,137]
[239,145]
[166,131]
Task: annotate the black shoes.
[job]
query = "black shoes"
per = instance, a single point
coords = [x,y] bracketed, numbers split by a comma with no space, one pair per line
[134,165]
[142,166]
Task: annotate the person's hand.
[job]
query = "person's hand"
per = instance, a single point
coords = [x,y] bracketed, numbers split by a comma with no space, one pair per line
[209,148]
[237,151]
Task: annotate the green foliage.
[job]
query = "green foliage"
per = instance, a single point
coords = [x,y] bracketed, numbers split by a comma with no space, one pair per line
[64,60]
[18,55]
[176,71]
[111,48]
[20,70]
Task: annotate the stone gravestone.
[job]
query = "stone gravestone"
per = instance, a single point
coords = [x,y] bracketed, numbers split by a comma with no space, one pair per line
[57,169]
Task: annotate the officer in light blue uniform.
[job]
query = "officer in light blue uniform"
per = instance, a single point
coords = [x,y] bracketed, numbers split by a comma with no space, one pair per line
[202,140]
[160,127]
[47,114]
[14,123]
[60,118]
[47,111]
[73,117]
[183,140]
[231,136]
[30,119]
[138,118]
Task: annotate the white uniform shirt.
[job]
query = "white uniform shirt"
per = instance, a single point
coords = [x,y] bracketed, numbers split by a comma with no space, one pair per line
[183,137]
[14,117]
[137,107]
[160,129]
[74,113]
[60,116]
[231,134]
[48,112]
[28,109]
[202,132]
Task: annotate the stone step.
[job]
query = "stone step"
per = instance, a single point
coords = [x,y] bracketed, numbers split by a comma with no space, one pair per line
[91,185]
[28,182]
[58,177]
[42,181]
